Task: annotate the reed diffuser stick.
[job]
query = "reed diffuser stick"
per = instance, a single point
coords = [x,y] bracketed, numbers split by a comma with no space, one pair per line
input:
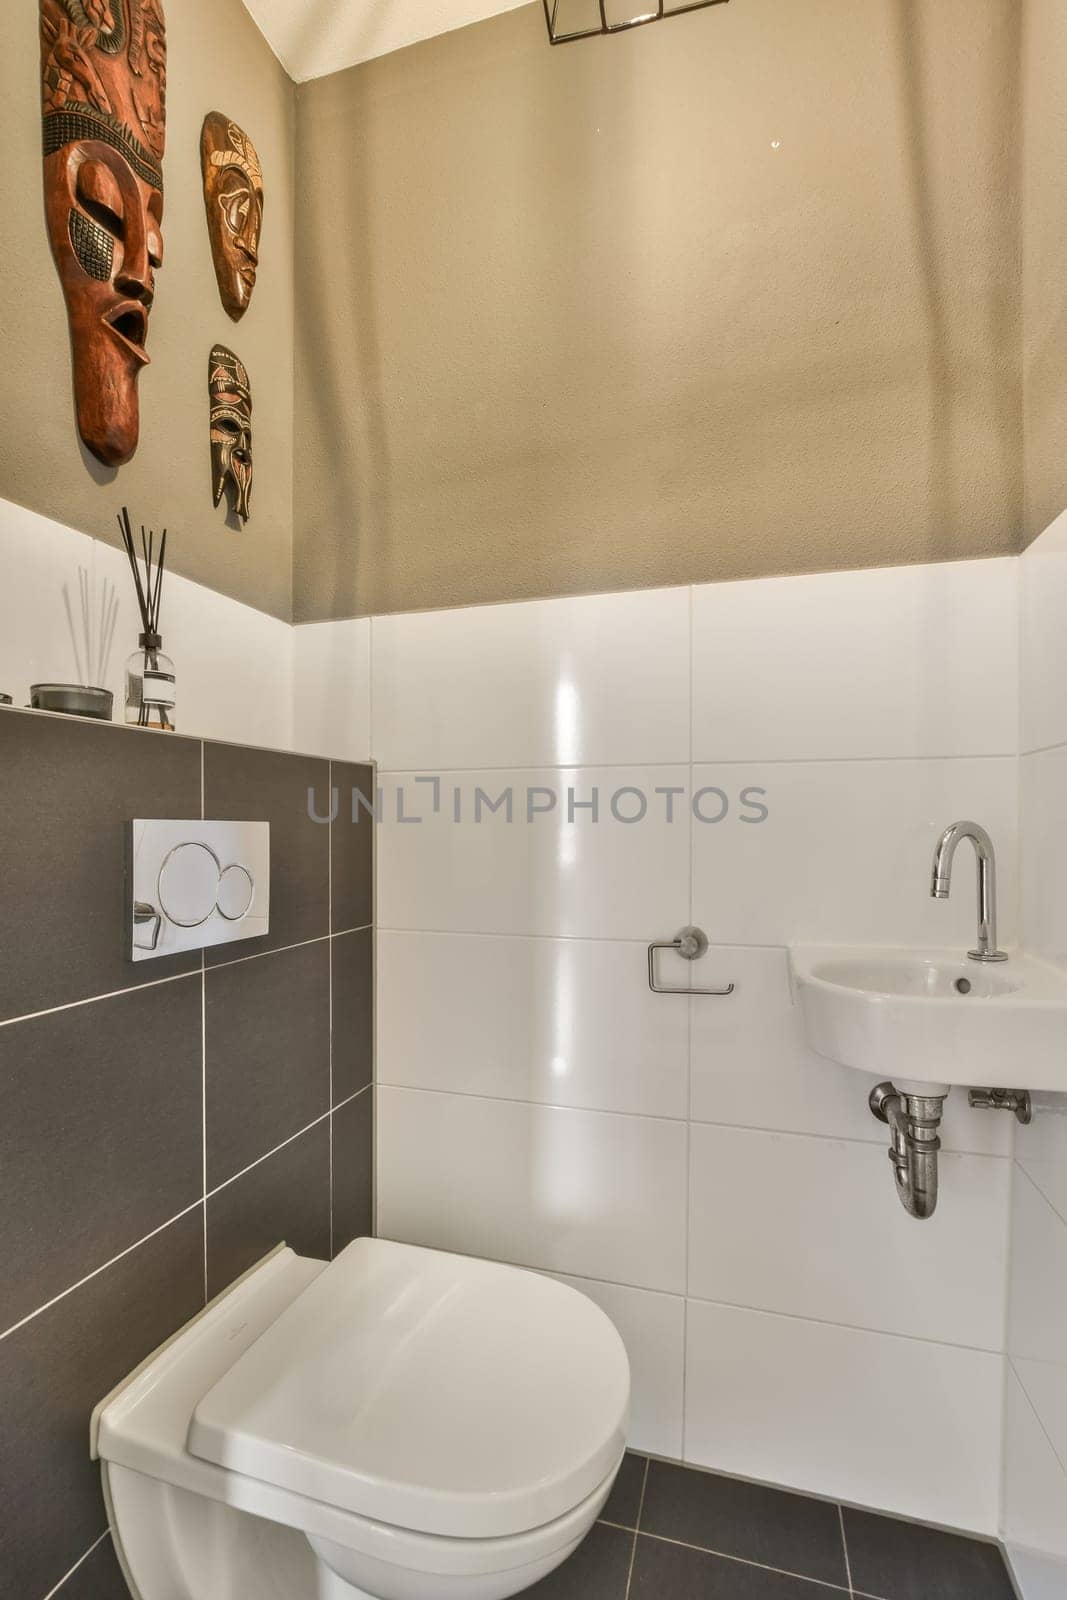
[149,589]
[92,628]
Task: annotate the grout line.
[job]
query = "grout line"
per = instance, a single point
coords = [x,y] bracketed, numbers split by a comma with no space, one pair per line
[637,1531]
[329,896]
[262,955]
[285,1142]
[759,1566]
[851,1139]
[203,1042]
[694,761]
[542,1105]
[1053,1446]
[847,1327]
[1036,1187]
[1005,1363]
[1043,749]
[56,1298]
[570,938]
[844,1544]
[203,1108]
[95,999]
[80,1561]
[258,1162]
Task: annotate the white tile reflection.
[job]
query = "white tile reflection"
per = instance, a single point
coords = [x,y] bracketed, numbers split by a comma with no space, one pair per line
[587,1193]
[598,678]
[568,720]
[545,876]
[563,1021]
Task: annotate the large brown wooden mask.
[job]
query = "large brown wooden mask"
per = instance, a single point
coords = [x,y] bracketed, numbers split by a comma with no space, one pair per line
[103,70]
[233,194]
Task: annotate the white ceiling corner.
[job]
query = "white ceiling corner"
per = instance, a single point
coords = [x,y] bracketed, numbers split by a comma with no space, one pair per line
[312,38]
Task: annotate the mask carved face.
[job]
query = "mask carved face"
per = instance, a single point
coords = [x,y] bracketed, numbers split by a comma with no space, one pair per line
[233,194]
[231,430]
[104,97]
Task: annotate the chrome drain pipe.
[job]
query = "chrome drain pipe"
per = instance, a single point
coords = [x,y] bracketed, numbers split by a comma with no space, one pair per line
[913,1121]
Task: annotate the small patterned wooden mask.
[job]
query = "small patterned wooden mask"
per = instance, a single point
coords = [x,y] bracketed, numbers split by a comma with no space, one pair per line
[233,194]
[231,430]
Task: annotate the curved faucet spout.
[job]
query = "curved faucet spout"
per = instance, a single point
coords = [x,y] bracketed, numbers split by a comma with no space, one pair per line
[986,948]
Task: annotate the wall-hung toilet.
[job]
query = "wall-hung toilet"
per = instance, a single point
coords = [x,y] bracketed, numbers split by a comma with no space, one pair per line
[401,1424]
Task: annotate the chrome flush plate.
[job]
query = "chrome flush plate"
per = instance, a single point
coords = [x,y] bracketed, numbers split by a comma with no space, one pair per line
[197,884]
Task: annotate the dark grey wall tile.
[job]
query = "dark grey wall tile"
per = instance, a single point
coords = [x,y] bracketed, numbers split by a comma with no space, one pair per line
[353,849]
[98,1578]
[904,1561]
[67,791]
[100,1138]
[267,786]
[353,1013]
[268,1054]
[353,1170]
[53,1370]
[285,1198]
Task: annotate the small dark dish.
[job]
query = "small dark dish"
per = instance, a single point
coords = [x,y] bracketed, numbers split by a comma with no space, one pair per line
[73,699]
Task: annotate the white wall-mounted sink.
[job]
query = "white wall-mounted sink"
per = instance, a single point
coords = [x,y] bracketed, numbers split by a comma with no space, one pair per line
[932,1018]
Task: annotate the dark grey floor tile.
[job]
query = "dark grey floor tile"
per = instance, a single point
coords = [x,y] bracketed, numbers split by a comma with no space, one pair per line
[269,786]
[624,1502]
[267,1036]
[353,849]
[353,1013]
[53,1370]
[906,1561]
[100,1137]
[284,1199]
[68,788]
[353,1170]
[597,1570]
[98,1578]
[674,1572]
[747,1520]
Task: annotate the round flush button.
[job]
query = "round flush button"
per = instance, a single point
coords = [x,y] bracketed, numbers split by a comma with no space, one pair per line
[189,885]
[236,888]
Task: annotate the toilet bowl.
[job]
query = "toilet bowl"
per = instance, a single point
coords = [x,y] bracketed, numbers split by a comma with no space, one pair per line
[399,1425]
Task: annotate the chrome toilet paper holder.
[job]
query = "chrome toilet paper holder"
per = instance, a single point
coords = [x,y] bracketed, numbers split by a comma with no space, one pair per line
[690,944]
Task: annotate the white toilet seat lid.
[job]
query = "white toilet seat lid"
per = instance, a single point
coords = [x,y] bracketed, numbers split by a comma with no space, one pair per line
[434,1392]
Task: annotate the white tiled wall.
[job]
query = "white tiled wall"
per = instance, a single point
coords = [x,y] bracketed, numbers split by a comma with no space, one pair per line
[721,1191]
[234,665]
[1034,1517]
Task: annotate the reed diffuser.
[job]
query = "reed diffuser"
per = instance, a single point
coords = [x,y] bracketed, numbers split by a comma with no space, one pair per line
[92,631]
[150,682]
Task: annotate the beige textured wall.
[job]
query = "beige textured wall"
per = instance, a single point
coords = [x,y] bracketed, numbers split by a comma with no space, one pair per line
[1045,261]
[732,295]
[217,59]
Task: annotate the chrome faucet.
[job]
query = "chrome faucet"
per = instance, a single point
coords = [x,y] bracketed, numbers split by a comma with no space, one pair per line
[986,949]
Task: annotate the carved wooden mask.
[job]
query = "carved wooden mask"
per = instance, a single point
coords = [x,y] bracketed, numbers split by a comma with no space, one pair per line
[233,194]
[103,72]
[231,430]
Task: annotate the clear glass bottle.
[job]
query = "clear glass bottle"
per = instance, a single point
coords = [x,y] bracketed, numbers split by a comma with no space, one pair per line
[151,697]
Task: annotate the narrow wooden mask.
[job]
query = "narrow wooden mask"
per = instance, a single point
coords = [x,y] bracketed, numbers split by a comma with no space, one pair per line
[103,75]
[231,430]
[233,194]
